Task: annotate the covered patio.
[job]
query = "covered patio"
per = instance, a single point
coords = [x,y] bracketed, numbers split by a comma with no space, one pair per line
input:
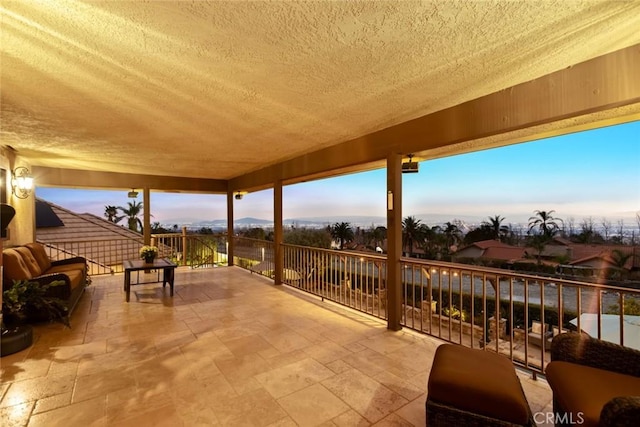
[228,349]
[229,98]
[178,97]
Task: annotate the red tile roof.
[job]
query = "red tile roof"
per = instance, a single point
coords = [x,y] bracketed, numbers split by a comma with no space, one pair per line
[484,244]
[509,253]
[606,255]
[102,241]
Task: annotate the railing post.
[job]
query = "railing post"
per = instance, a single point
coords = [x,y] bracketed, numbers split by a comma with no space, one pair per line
[184,245]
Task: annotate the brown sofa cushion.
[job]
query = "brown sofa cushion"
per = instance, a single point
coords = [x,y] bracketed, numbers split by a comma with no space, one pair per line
[14,268]
[38,252]
[64,268]
[477,381]
[76,277]
[579,388]
[29,260]
[24,263]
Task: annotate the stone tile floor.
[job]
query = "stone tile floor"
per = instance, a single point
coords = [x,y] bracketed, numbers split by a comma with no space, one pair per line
[228,349]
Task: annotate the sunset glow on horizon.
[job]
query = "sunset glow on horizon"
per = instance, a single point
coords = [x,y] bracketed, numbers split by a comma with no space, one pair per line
[588,174]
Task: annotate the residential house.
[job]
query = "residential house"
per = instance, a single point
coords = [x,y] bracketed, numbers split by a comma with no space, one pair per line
[104,244]
[490,251]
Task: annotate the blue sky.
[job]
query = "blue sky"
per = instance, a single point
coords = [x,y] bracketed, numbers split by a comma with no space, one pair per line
[588,174]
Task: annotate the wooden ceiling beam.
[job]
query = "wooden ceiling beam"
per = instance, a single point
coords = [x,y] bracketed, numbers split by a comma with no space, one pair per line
[73,178]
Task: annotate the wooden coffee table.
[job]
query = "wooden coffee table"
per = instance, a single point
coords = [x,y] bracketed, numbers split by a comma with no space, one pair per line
[168,272]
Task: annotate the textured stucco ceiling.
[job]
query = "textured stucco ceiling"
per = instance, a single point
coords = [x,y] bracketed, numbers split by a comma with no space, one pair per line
[217,89]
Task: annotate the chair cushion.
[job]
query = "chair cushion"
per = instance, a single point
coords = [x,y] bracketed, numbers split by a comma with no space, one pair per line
[29,260]
[477,381]
[39,253]
[76,277]
[64,268]
[578,388]
[14,268]
[536,328]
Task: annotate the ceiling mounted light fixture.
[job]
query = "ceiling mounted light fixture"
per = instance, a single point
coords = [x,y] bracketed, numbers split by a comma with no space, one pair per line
[22,182]
[410,166]
[132,194]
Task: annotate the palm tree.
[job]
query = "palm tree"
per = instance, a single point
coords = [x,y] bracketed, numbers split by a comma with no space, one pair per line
[343,232]
[538,243]
[412,232]
[157,228]
[544,222]
[452,231]
[375,236]
[132,213]
[620,258]
[498,230]
[379,234]
[111,213]
[430,241]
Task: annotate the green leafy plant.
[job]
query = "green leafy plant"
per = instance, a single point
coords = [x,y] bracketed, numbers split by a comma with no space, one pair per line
[27,299]
[455,313]
[631,308]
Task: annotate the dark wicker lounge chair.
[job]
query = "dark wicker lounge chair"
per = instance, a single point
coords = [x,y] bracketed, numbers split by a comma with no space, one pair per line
[594,382]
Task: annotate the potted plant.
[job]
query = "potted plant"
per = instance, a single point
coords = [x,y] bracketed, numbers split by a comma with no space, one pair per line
[28,300]
[148,253]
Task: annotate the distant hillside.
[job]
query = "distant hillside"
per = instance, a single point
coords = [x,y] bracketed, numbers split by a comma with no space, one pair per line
[252,221]
[362,221]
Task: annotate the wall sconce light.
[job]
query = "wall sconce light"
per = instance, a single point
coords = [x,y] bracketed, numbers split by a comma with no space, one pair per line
[389,200]
[22,182]
[132,194]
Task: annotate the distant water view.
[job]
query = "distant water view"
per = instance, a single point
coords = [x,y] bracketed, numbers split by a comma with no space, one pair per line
[628,228]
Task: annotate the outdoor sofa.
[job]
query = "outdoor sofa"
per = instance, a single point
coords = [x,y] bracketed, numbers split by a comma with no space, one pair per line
[31,262]
[594,382]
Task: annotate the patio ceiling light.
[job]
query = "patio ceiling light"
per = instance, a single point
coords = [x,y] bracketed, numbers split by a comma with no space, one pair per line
[410,166]
[132,194]
[22,182]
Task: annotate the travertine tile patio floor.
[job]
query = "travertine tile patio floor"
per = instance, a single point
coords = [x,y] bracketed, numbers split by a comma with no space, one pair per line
[229,349]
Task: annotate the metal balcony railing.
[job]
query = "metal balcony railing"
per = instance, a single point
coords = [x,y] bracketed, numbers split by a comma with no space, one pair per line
[107,256]
[352,279]
[254,254]
[460,303]
[194,250]
[498,310]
